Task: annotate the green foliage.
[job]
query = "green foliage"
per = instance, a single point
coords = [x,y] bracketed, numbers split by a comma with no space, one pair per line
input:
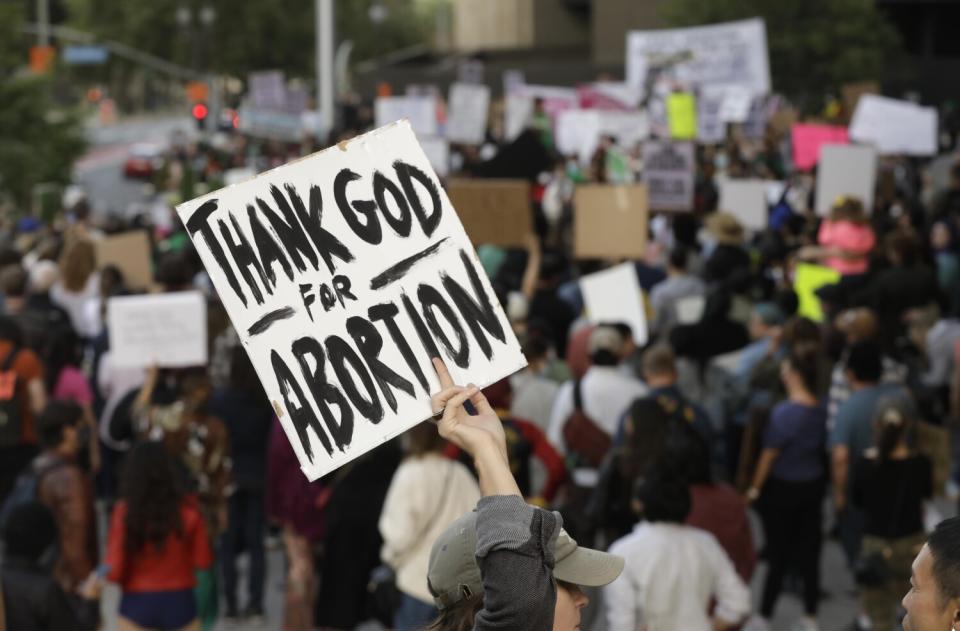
[815,45]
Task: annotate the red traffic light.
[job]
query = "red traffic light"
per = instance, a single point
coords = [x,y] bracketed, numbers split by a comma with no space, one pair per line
[200,111]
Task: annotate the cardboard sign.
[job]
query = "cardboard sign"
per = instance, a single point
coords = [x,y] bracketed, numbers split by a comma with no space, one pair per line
[130,253]
[610,221]
[421,111]
[682,115]
[166,330]
[850,94]
[467,113]
[807,138]
[807,279]
[614,295]
[578,132]
[895,127]
[668,173]
[845,170]
[493,211]
[343,274]
[746,200]
[727,54]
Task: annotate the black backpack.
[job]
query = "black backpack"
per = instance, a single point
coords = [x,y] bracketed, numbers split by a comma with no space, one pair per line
[11,397]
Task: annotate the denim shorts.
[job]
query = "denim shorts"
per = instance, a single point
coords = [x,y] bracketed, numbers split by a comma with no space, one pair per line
[168,610]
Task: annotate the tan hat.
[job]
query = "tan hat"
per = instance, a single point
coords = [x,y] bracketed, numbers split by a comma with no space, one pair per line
[604,338]
[454,575]
[725,228]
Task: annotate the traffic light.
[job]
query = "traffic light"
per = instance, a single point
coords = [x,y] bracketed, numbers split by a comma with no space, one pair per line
[200,111]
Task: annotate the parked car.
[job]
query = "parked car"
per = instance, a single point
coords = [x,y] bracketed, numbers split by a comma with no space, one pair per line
[143,161]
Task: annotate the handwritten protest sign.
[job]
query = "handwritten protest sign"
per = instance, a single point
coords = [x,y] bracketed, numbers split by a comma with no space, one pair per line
[668,173]
[682,115]
[610,221]
[493,211]
[578,132]
[344,273]
[520,105]
[746,200]
[727,54]
[166,330]
[894,126]
[807,138]
[614,295]
[421,111]
[711,129]
[807,279]
[467,113]
[845,170]
[735,107]
[130,253]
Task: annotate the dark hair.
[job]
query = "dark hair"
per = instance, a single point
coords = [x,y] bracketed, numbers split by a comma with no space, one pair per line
[905,245]
[893,422]
[865,361]
[153,491]
[801,329]
[944,543]
[535,347]
[62,349]
[804,358]
[624,329]
[678,258]
[57,416]
[243,376]
[460,617]
[174,271]
[13,281]
[424,439]
[604,358]
[644,444]
[30,530]
[665,497]
[10,331]
[687,453]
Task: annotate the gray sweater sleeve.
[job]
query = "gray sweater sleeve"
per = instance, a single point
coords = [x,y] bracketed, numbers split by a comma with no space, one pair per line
[515,552]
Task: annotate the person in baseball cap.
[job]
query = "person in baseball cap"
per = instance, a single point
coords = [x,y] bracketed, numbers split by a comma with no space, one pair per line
[507,564]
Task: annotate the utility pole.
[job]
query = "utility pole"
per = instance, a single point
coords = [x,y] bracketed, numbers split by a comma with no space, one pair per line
[43,21]
[325,46]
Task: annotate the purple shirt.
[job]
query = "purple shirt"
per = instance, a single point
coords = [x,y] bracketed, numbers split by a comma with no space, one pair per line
[799,433]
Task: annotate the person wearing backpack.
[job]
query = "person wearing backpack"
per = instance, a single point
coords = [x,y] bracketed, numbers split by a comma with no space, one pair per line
[67,490]
[22,395]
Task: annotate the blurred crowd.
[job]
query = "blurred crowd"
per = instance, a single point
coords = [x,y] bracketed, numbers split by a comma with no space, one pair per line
[657,452]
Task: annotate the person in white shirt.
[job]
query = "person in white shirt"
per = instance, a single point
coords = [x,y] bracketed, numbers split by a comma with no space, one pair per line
[672,571]
[428,492]
[606,390]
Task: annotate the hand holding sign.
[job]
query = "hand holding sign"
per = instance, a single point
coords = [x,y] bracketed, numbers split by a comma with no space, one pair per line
[472,433]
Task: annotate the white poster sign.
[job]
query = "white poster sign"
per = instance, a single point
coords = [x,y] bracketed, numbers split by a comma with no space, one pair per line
[711,129]
[519,105]
[467,113]
[845,170]
[728,54]
[579,131]
[895,126]
[614,295]
[735,106]
[668,172]
[746,200]
[421,111]
[165,330]
[344,273]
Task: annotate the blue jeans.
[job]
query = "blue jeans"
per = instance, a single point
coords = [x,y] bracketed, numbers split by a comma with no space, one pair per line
[414,614]
[245,530]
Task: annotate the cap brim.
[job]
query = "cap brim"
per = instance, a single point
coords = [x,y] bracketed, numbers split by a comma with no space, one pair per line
[590,568]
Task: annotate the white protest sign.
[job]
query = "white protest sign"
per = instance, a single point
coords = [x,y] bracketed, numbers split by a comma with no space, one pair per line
[579,131]
[728,54]
[848,170]
[166,330]
[894,126]
[614,295]
[467,113]
[421,111]
[746,200]
[668,173]
[344,273]
[519,103]
[735,106]
[711,129]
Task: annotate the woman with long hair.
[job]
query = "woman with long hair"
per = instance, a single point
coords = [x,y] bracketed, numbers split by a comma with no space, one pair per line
[157,542]
[77,290]
[506,565]
[890,483]
[789,483]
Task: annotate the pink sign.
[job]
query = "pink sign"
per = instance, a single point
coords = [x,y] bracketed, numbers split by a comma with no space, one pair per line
[808,138]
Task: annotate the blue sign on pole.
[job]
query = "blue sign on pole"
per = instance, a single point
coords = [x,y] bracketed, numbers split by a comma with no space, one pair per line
[85,54]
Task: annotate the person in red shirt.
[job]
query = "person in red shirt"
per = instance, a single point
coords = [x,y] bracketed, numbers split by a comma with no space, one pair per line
[157,541]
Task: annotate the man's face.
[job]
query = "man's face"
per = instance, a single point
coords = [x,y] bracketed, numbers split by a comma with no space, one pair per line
[922,602]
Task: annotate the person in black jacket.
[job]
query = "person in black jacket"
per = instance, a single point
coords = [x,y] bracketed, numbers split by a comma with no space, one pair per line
[33,600]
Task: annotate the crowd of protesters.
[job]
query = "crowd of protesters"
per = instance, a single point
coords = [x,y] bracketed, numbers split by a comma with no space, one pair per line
[657,453]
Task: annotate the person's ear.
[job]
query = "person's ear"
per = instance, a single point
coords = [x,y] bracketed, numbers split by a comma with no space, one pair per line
[955,608]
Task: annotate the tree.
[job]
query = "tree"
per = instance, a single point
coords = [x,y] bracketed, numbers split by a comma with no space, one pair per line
[40,141]
[815,45]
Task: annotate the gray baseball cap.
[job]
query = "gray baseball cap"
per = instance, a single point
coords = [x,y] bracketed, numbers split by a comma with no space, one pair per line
[453,574]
